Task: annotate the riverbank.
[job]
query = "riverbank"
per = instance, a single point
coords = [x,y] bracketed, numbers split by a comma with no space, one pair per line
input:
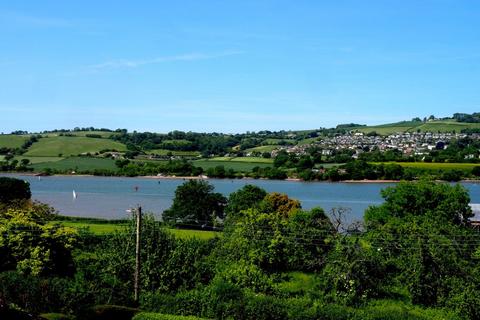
[165,177]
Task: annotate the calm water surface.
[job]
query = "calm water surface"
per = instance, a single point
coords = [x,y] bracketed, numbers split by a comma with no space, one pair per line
[110,197]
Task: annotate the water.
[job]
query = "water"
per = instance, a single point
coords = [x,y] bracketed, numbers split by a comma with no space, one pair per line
[110,197]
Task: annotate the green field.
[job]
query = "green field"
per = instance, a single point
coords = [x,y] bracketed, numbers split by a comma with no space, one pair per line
[106,228]
[390,128]
[447,126]
[434,165]
[77,164]
[12,140]
[97,228]
[410,126]
[243,159]
[308,141]
[164,152]
[67,146]
[35,160]
[268,148]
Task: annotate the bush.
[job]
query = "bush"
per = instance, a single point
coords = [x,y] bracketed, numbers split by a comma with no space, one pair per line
[476,171]
[11,314]
[333,312]
[159,316]
[394,310]
[57,316]
[184,303]
[14,189]
[264,307]
[108,312]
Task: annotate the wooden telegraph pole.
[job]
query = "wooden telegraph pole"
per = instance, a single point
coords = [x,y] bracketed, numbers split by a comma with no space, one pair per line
[137,253]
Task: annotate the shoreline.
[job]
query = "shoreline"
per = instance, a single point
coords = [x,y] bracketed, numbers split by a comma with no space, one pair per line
[31,174]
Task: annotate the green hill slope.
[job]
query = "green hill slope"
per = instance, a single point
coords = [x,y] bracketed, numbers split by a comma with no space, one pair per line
[67,146]
[411,126]
[12,140]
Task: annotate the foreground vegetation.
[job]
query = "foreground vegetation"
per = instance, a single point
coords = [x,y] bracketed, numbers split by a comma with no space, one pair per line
[415,257]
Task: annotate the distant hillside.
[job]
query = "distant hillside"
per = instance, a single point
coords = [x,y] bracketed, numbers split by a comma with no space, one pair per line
[12,141]
[450,125]
[67,146]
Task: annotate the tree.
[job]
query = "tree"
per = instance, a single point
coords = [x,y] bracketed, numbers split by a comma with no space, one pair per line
[437,201]
[281,158]
[196,203]
[13,189]
[422,231]
[277,242]
[247,197]
[279,203]
[476,171]
[29,244]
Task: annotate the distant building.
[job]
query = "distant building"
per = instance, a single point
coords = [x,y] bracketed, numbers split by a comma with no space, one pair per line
[475,220]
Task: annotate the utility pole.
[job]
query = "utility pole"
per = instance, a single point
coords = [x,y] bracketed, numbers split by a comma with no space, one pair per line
[137,253]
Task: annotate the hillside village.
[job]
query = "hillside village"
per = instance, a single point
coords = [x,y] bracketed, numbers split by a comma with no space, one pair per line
[409,143]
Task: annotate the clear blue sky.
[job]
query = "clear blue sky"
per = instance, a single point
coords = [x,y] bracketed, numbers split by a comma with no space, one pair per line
[234,66]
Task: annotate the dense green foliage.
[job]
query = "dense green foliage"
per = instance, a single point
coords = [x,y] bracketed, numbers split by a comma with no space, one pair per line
[247,197]
[159,316]
[415,258]
[13,189]
[196,203]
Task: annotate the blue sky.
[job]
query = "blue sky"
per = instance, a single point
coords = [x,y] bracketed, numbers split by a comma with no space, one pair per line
[233,66]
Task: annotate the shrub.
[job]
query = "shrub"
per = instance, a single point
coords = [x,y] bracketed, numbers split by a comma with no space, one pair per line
[185,303]
[108,312]
[13,189]
[394,310]
[57,316]
[159,316]
[264,307]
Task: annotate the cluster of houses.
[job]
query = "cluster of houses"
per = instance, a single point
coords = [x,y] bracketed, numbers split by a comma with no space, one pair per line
[410,143]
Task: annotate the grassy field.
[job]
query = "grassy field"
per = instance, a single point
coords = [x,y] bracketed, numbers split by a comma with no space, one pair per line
[410,126]
[97,228]
[308,141]
[78,164]
[163,152]
[268,148]
[435,166]
[243,159]
[444,126]
[390,128]
[67,146]
[35,160]
[106,228]
[12,140]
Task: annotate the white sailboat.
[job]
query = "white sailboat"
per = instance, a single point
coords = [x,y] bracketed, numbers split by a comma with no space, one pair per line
[74,195]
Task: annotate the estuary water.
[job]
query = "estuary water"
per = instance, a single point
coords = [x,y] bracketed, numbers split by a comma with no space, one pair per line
[110,197]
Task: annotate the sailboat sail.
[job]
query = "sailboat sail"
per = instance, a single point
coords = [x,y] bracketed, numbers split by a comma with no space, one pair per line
[74,195]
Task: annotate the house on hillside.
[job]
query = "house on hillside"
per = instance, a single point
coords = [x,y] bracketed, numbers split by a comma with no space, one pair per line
[475,220]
